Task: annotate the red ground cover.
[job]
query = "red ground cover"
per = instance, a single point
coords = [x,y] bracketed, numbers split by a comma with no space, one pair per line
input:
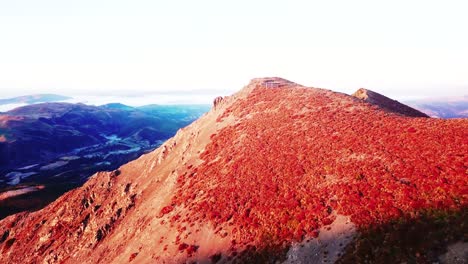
[298,154]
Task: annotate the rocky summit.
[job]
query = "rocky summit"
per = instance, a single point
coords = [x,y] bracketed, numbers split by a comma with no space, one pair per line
[276,173]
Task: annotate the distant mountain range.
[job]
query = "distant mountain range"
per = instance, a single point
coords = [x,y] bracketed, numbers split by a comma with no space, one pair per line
[443,107]
[456,107]
[34,98]
[59,145]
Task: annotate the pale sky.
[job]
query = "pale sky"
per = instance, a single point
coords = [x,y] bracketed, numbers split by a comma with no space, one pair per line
[109,47]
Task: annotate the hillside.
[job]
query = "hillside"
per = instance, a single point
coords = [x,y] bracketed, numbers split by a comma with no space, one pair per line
[41,132]
[275,173]
[387,103]
[57,146]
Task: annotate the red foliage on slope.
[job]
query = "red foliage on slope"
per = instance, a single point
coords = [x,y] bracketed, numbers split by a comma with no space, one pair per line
[298,154]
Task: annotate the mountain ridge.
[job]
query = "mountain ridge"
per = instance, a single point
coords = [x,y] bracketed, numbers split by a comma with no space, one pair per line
[34,98]
[387,103]
[263,172]
[49,148]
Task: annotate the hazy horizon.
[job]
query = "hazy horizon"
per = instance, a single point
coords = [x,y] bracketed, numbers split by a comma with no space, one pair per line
[401,49]
[188,97]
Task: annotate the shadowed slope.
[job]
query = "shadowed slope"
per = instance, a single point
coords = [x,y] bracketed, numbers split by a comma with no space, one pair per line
[387,103]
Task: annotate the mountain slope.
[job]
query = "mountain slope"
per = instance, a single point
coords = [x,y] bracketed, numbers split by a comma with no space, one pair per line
[276,172]
[40,132]
[387,103]
[47,149]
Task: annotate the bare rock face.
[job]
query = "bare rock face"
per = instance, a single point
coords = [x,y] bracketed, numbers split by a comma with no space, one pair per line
[327,247]
[275,173]
[387,103]
[217,101]
[274,82]
[456,254]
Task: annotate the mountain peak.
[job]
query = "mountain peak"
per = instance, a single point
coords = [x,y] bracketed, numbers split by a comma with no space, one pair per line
[387,103]
[273,82]
[221,102]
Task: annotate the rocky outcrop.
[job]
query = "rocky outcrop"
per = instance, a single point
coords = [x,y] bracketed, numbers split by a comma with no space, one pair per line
[387,103]
[217,101]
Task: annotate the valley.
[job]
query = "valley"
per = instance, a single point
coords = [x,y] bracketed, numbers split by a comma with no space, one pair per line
[57,146]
